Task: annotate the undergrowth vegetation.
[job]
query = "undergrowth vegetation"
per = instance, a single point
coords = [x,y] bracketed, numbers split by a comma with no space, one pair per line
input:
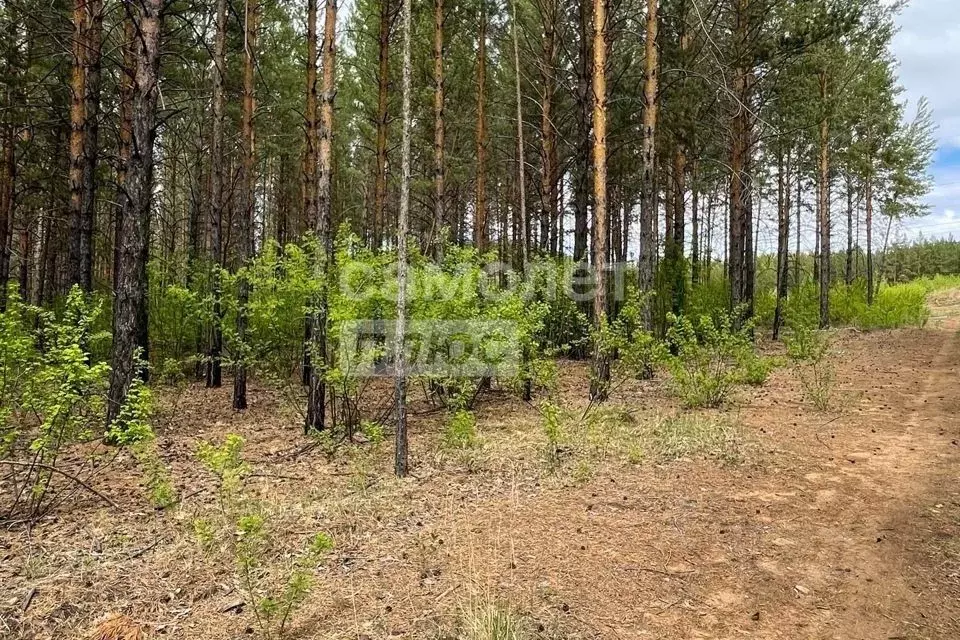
[274,580]
[53,397]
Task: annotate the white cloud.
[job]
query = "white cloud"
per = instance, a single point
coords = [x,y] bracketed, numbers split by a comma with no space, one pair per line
[927,47]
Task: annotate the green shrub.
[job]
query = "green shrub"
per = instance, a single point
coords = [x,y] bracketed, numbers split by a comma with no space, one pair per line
[273,579]
[552,419]
[706,364]
[808,350]
[53,396]
[460,431]
[754,369]
[638,350]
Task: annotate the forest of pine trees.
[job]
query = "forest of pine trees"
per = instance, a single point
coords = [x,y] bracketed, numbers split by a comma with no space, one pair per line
[156,151]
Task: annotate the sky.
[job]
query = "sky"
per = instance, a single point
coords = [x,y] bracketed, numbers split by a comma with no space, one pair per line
[928,48]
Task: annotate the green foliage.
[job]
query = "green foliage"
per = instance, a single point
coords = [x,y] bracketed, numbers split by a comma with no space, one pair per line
[638,350]
[754,369]
[552,419]
[566,328]
[53,395]
[132,426]
[155,474]
[276,581]
[176,312]
[226,463]
[708,356]
[808,351]
[372,431]
[460,431]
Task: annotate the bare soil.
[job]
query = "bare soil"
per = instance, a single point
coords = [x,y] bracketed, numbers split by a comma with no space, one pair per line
[839,524]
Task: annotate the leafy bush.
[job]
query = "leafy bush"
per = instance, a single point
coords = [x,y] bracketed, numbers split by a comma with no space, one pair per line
[53,396]
[708,357]
[552,418]
[754,369]
[809,350]
[638,350]
[460,431]
[274,580]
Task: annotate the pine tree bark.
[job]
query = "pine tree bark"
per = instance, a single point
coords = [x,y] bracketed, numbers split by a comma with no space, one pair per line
[740,260]
[783,239]
[480,209]
[310,120]
[311,125]
[217,199]
[695,223]
[648,190]
[400,459]
[548,189]
[438,238]
[521,183]
[383,92]
[823,207]
[247,197]
[600,380]
[317,395]
[868,199]
[581,172]
[676,240]
[848,270]
[84,111]
[8,177]
[129,306]
[8,167]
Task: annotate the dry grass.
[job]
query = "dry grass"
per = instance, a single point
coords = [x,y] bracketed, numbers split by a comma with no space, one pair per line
[118,627]
[639,529]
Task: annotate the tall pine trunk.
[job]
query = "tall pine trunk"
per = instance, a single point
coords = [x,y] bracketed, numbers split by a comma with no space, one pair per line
[676,244]
[247,199]
[311,126]
[8,177]
[217,199]
[549,199]
[823,208]
[310,121]
[521,183]
[695,231]
[400,459]
[783,239]
[600,378]
[383,89]
[848,270]
[648,190]
[131,287]
[480,207]
[84,112]
[740,266]
[438,237]
[868,198]
[317,395]
[581,172]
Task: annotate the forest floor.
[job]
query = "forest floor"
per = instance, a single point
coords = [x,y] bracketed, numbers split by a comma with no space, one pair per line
[841,524]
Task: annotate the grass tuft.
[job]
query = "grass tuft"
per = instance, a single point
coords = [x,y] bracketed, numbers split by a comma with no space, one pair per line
[689,435]
[488,620]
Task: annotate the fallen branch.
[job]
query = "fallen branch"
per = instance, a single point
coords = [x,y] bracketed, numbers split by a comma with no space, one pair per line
[52,469]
